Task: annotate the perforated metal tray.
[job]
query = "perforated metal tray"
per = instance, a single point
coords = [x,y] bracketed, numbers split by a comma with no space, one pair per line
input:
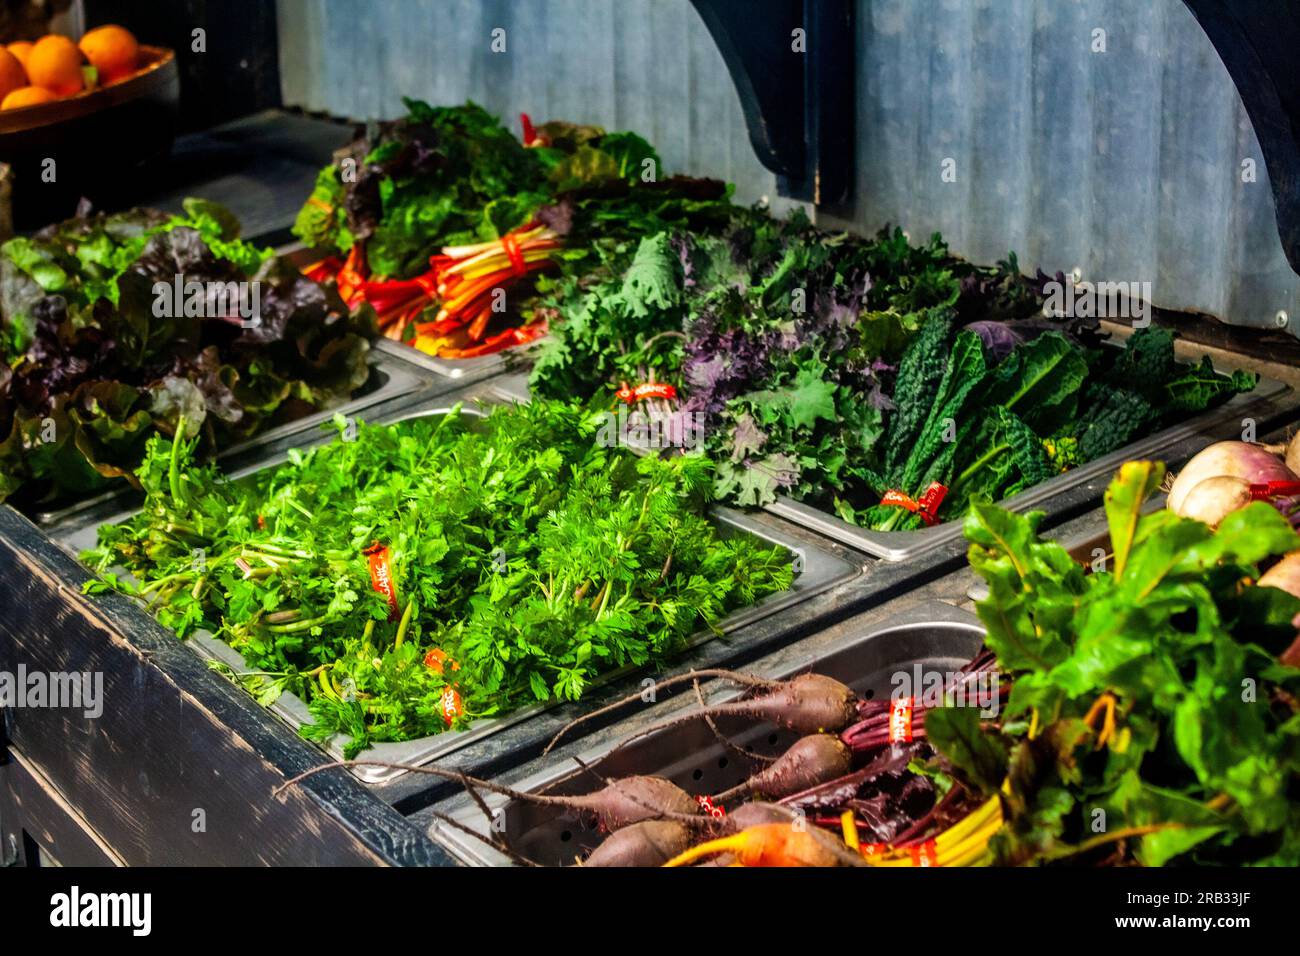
[934,637]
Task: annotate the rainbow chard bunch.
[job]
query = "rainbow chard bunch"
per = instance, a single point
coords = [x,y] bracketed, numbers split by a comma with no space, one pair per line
[1149,719]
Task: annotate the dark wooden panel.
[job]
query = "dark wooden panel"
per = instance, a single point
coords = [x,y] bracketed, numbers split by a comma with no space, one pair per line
[37,824]
[1257,41]
[173,737]
[798,104]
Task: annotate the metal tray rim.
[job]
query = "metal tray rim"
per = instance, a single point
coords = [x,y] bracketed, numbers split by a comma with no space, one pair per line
[897,546]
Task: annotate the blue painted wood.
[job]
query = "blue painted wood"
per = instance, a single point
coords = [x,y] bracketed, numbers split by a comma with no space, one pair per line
[1124,163]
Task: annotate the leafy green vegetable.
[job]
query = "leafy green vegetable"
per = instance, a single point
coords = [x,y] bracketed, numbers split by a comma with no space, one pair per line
[1144,703]
[94,367]
[534,558]
[448,176]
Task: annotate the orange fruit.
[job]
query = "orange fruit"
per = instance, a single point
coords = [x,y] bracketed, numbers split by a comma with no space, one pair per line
[112,51]
[12,74]
[55,63]
[27,96]
[20,50]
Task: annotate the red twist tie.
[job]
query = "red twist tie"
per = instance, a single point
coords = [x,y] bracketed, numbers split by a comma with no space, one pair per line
[511,245]
[709,807]
[931,501]
[1274,489]
[900,720]
[923,855]
[530,134]
[381,577]
[927,507]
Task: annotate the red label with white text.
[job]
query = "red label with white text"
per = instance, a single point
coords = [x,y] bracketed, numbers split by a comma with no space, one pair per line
[451,705]
[381,577]
[648,390]
[927,506]
[709,808]
[923,854]
[900,720]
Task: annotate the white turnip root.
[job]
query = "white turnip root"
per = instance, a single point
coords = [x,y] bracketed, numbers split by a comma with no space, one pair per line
[1284,575]
[1215,498]
[1234,459]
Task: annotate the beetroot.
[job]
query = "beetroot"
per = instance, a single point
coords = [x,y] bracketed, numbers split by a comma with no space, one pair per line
[809,761]
[648,843]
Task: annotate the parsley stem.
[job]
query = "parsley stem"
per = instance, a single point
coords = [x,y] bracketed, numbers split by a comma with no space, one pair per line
[404,623]
[296,626]
[167,579]
[173,469]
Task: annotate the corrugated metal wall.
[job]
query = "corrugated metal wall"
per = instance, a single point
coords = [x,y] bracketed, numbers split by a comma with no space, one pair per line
[1126,164]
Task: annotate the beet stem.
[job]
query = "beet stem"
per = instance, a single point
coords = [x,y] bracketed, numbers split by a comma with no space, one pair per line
[747,680]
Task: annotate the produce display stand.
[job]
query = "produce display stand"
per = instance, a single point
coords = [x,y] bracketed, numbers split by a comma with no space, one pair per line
[69,781]
[182,767]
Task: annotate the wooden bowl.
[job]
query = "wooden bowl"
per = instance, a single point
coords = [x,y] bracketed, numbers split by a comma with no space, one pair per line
[156,80]
[99,140]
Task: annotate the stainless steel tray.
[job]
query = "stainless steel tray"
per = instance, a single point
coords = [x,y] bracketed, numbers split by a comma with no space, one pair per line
[933,636]
[463,371]
[391,378]
[909,545]
[820,571]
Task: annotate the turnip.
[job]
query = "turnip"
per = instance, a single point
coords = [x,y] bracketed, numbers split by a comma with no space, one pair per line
[810,760]
[1292,456]
[1234,459]
[1284,575]
[1291,656]
[1214,498]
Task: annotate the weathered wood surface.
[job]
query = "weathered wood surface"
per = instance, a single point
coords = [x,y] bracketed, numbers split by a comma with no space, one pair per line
[175,743]
[38,827]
